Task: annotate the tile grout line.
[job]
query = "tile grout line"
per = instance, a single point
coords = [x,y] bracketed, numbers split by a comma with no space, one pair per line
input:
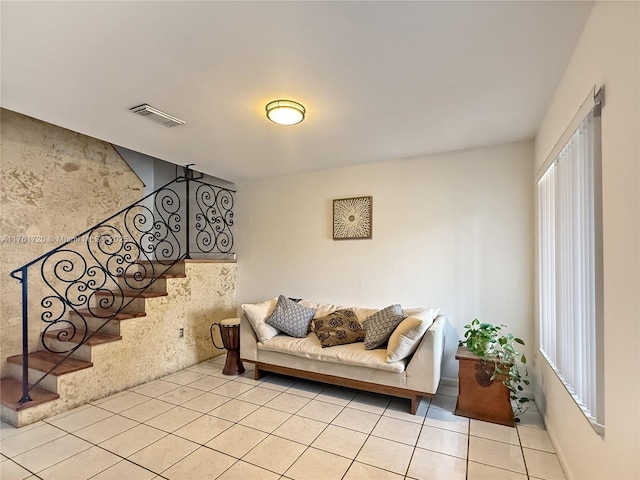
[353,460]
[21,466]
[415,445]
[307,447]
[466,474]
[524,459]
[109,451]
[504,443]
[113,414]
[260,442]
[127,459]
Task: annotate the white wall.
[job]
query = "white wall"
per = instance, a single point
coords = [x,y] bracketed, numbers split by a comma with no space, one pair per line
[608,53]
[452,230]
[141,164]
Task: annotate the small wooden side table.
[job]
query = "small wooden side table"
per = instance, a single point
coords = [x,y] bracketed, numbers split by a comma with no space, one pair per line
[479,397]
[230,334]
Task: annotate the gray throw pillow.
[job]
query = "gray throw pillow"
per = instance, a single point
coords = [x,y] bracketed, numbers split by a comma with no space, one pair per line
[379,326]
[291,317]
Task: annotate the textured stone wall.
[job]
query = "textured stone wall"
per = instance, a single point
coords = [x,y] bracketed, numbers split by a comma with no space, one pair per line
[54,183]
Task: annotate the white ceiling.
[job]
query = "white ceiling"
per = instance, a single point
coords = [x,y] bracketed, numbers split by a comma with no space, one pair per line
[380,80]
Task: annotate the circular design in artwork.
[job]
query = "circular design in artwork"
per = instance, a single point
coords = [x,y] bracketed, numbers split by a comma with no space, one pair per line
[352,218]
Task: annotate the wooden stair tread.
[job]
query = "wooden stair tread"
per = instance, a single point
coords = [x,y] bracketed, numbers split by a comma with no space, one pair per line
[45,361]
[96,338]
[163,276]
[131,293]
[166,262]
[104,314]
[11,393]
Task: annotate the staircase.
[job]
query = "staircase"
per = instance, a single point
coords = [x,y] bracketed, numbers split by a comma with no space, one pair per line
[134,347]
[113,317]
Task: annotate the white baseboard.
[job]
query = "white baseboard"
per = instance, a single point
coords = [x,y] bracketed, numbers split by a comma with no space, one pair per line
[449,382]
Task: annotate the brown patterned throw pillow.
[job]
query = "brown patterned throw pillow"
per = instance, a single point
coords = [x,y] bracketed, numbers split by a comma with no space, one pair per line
[338,328]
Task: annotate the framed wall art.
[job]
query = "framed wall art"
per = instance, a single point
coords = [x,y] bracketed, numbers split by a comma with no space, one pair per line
[353,218]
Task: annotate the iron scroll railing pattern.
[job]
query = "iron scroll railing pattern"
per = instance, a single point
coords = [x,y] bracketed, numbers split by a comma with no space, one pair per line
[214,219]
[96,275]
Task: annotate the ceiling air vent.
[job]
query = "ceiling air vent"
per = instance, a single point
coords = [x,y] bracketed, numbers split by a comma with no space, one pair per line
[156,115]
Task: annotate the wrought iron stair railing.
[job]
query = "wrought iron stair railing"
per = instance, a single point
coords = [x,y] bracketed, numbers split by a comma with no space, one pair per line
[100,272]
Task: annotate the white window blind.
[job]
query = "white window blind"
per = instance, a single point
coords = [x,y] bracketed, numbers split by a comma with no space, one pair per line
[570,287]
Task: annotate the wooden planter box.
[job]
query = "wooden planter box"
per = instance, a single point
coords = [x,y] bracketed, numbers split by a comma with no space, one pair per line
[479,397]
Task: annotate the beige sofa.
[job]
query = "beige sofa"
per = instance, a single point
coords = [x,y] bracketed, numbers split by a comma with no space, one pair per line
[350,365]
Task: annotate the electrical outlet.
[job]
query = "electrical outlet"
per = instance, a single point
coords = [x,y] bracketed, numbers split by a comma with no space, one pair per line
[180,332]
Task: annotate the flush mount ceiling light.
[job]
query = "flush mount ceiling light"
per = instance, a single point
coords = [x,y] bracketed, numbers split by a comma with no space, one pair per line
[285,112]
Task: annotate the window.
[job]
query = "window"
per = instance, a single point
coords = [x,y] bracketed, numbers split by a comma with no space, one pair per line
[570,264]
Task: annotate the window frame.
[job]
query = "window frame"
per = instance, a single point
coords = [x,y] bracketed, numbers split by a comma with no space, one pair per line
[553,179]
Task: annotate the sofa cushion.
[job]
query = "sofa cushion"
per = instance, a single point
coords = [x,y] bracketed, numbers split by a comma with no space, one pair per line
[338,328]
[351,354]
[379,326]
[290,317]
[257,313]
[407,336]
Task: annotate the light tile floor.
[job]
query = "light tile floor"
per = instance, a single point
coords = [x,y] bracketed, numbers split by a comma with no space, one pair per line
[199,424]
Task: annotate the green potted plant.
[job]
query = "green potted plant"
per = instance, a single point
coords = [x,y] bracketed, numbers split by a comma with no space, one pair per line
[494,347]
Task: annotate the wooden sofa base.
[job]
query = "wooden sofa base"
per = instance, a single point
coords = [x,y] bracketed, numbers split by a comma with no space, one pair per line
[412,395]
